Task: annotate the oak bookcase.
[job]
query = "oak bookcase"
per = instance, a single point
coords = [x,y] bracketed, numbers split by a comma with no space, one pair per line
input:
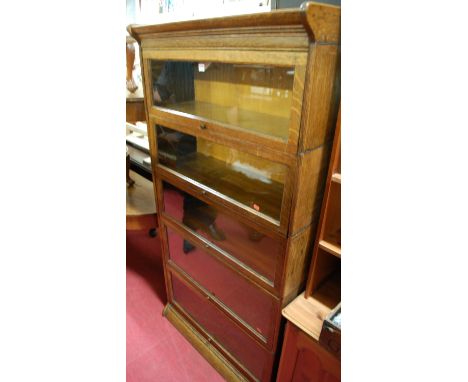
[240,112]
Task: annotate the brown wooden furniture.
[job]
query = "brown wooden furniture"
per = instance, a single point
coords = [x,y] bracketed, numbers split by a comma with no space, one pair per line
[324,282]
[240,112]
[303,359]
[309,352]
[141,207]
[135,110]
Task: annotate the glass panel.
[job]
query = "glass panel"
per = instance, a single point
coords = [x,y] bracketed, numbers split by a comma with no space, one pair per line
[253,97]
[259,252]
[255,182]
[247,301]
[232,338]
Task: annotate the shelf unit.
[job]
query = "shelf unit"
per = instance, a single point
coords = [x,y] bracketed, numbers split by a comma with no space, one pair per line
[324,283]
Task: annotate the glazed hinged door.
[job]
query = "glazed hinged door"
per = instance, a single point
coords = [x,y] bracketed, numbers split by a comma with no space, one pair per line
[254,186]
[248,102]
[245,301]
[245,245]
[223,331]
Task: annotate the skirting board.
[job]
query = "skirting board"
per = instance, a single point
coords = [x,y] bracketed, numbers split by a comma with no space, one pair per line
[211,354]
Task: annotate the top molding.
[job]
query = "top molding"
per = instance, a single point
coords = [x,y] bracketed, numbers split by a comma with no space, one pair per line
[321,21]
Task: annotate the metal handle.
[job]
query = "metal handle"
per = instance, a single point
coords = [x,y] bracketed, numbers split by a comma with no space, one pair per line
[203,126]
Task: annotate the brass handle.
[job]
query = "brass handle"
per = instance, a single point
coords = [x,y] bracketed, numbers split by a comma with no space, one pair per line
[203,126]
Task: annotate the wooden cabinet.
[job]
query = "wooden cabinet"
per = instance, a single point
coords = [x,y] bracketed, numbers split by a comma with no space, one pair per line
[240,113]
[135,110]
[304,360]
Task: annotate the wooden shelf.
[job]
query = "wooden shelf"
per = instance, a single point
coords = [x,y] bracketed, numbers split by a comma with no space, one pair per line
[332,248]
[307,314]
[329,291]
[223,178]
[336,177]
[261,123]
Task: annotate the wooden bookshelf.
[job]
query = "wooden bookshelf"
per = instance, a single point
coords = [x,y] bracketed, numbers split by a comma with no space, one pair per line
[324,283]
[261,121]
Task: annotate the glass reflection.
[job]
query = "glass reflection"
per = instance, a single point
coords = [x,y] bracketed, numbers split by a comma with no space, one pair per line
[257,251]
[231,337]
[173,82]
[251,304]
[200,216]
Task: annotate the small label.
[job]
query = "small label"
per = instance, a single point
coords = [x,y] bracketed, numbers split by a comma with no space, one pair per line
[201,67]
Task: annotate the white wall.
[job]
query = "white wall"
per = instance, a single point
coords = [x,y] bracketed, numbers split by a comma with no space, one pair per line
[161,11]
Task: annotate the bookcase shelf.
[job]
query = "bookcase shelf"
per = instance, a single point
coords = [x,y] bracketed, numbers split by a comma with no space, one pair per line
[332,248]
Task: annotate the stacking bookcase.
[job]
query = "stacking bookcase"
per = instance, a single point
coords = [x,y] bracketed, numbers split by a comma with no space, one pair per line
[240,111]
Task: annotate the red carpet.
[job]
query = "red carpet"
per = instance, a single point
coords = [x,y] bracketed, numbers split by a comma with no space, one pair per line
[156,351]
